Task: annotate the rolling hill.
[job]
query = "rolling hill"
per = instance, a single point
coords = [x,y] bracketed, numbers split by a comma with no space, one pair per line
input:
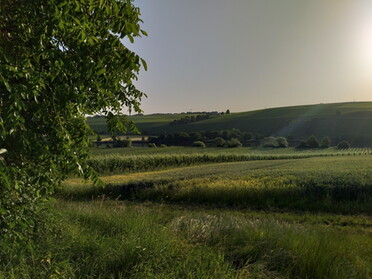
[351,121]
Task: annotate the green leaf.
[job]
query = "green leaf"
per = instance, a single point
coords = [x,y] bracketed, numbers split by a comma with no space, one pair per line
[144,64]
[101,71]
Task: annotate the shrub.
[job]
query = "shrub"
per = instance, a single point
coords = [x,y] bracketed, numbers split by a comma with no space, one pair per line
[326,142]
[198,144]
[163,145]
[219,142]
[152,145]
[312,142]
[233,143]
[282,142]
[302,144]
[269,142]
[343,145]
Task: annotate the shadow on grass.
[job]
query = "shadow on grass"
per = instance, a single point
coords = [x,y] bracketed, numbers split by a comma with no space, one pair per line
[327,195]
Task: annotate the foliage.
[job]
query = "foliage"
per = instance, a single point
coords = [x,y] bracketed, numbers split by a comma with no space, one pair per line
[343,145]
[325,142]
[60,60]
[269,142]
[312,142]
[186,139]
[282,142]
[123,143]
[279,142]
[233,143]
[198,144]
[219,142]
[296,121]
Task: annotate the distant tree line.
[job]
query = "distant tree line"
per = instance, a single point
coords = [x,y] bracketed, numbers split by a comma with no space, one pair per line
[217,138]
[190,119]
[313,142]
[236,138]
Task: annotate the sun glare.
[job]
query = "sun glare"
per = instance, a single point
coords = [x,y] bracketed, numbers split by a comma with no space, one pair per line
[364,46]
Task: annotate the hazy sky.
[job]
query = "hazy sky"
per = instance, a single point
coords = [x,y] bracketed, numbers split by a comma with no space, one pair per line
[251,54]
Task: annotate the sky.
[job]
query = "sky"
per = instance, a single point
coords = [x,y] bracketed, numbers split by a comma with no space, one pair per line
[214,55]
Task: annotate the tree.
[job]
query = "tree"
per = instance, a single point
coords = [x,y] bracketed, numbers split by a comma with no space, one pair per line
[233,143]
[218,142]
[312,142]
[325,142]
[282,142]
[59,61]
[198,144]
[343,145]
[269,142]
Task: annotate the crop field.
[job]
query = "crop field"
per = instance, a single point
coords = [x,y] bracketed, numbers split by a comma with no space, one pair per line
[118,160]
[285,218]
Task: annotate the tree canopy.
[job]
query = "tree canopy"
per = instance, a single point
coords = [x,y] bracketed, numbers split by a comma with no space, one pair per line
[60,60]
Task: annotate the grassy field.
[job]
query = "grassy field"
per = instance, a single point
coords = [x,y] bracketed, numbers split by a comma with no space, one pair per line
[340,120]
[292,218]
[118,160]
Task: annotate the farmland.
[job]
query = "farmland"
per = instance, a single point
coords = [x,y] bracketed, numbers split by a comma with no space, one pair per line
[118,160]
[351,121]
[288,214]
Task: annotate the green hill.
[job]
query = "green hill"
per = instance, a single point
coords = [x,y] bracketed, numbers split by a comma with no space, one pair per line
[351,121]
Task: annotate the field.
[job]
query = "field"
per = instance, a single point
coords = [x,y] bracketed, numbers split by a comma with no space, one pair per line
[118,160]
[284,215]
[351,121]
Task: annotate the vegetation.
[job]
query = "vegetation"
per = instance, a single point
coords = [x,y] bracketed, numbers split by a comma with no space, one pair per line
[343,145]
[59,62]
[326,142]
[304,218]
[198,144]
[143,159]
[233,143]
[221,138]
[282,142]
[190,119]
[349,121]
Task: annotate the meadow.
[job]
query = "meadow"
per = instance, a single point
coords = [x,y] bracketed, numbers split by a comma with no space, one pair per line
[306,217]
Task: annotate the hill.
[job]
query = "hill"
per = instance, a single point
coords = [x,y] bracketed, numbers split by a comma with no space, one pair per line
[351,121]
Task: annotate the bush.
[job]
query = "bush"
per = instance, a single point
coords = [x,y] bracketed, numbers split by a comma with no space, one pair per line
[302,144]
[233,143]
[219,142]
[269,142]
[198,144]
[312,142]
[282,142]
[326,142]
[163,145]
[152,145]
[343,145]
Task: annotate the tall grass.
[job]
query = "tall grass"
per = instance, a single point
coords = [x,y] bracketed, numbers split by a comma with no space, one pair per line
[337,194]
[105,240]
[119,164]
[111,239]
